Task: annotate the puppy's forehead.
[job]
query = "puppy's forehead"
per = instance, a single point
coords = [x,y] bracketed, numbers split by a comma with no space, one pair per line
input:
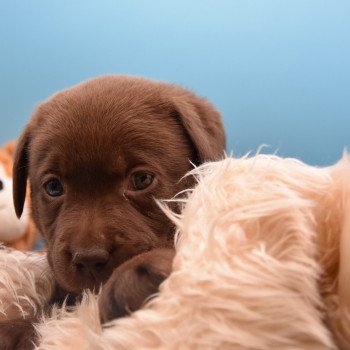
[112,128]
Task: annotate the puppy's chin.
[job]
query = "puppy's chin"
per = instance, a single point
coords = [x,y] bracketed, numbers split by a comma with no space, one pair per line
[75,284]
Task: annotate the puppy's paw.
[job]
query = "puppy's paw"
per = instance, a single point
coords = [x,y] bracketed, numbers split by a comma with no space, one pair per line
[132,283]
[17,334]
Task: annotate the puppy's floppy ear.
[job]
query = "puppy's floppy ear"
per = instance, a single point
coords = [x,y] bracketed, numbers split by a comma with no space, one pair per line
[20,172]
[203,125]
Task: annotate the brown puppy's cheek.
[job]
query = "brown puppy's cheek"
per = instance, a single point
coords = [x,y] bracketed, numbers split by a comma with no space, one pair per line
[45,211]
[162,227]
[134,282]
[60,262]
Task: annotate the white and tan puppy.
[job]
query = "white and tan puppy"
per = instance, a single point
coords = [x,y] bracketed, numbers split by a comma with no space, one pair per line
[14,232]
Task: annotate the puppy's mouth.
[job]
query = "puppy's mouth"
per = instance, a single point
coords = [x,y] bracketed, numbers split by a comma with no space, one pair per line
[81,278]
[91,279]
[76,282]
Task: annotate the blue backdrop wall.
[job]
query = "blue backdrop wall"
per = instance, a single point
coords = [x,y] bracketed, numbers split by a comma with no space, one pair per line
[277,70]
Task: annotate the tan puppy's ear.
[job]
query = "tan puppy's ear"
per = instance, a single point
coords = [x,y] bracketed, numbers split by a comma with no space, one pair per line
[20,172]
[203,125]
[10,148]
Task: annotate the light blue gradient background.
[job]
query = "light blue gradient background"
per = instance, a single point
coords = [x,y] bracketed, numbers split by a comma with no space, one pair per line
[279,71]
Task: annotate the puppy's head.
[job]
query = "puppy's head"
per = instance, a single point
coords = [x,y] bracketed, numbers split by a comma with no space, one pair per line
[97,155]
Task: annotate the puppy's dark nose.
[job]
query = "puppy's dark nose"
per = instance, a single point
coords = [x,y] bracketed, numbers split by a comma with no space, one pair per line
[91,260]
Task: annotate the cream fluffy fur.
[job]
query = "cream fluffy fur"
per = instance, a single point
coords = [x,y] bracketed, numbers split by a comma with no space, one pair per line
[262,262]
[25,283]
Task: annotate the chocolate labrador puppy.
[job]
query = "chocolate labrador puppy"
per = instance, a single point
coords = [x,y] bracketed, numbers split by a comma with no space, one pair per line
[97,156]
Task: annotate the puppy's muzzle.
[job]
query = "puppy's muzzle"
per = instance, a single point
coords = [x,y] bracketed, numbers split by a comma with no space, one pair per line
[90,261]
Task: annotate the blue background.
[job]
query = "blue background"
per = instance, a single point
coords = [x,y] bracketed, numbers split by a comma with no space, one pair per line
[279,71]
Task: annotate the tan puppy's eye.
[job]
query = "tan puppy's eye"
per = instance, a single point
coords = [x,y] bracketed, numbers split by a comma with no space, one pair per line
[54,188]
[141,180]
[1,185]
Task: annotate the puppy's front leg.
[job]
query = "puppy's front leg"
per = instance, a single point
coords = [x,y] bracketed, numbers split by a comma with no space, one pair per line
[133,282]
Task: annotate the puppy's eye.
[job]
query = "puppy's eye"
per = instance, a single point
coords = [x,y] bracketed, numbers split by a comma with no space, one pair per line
[54,188]
[141,180]
[1,185]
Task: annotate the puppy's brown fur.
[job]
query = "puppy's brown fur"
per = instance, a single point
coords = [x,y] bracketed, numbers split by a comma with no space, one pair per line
[93,138]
